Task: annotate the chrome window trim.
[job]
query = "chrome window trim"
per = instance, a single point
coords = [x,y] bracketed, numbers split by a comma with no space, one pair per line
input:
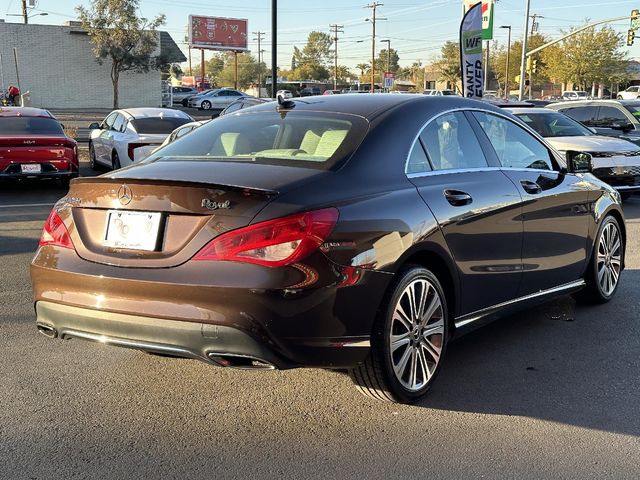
[450,171]
[517,123]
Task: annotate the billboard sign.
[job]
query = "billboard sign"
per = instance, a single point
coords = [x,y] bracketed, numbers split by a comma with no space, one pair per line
[217,33]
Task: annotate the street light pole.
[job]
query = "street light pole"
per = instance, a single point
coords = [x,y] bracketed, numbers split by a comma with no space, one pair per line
[388,42]
[523,61]
[506,73]
[274,47]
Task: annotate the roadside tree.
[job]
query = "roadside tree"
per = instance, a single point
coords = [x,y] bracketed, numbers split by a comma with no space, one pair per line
[121,37]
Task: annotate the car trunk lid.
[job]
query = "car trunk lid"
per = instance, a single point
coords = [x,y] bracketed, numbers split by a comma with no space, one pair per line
[169,221]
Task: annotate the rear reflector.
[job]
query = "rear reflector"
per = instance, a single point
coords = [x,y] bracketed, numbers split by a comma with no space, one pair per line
[273,243]
[54,232]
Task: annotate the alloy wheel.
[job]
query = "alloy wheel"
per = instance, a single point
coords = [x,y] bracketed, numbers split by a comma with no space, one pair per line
[417,334]
[609,259]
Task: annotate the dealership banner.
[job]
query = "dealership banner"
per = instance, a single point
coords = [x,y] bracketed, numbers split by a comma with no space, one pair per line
[471,51]
[216,33]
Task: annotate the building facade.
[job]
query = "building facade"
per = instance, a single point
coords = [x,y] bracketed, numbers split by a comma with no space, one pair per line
[56,65]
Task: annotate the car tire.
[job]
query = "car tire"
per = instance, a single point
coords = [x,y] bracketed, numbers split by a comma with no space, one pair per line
[185,102]
[206,105]
[92,157]
[406,356]
[115,161]
[619,97]
[605,265]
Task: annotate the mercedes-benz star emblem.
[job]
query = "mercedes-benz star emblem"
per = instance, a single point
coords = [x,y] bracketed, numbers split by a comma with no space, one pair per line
[124,195]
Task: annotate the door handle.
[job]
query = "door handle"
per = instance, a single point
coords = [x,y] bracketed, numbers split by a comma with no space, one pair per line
[530,187]
[457,198]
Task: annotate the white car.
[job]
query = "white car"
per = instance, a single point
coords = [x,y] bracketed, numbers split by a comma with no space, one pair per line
[180,132]
[129,135]
[286,94]
[438,92]
[216,99]
[615,160]
[630,93]
[575,95]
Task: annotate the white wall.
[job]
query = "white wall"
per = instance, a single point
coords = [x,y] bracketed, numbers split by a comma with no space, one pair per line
[59,69]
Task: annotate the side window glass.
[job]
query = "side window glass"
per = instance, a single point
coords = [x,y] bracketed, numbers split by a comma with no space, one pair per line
[182,132]
[514,146]
[118,123]
[418,161]
[108,122]
[234,106]
[607,116]
[585,115]
[452,144]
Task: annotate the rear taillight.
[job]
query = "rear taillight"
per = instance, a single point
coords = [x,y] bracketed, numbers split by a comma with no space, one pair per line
[273,243]
[132,147]
[54,232]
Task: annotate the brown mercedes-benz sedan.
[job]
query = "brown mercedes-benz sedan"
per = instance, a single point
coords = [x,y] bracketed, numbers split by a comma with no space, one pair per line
[348,231]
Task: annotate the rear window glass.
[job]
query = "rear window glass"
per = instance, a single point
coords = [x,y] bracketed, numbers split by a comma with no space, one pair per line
[164,125]
[305,139]
[29,126]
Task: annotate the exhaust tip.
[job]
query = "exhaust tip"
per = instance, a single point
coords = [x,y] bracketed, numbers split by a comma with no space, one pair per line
[47,330]
[239,361]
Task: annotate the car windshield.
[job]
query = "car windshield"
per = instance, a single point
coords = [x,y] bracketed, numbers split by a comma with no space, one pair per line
[158,125]
[634,109]
[29,126]
[303,139]
[554,125]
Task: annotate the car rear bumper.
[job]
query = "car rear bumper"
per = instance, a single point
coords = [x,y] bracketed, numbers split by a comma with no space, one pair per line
[48,170]
[215,344]
[201,311]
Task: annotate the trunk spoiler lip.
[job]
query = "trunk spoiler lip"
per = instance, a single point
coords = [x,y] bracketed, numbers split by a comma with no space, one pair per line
[168,182]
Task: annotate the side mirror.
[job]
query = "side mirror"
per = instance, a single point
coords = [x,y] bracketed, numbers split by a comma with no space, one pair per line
[94,126]
[578,162]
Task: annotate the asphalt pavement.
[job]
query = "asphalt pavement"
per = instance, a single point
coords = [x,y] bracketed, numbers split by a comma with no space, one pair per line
[552,393]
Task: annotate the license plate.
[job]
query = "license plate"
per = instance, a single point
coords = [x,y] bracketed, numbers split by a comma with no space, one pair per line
[132,230]
[31,168]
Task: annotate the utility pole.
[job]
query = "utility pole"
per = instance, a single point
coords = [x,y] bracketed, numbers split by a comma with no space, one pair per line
[274,47]
[336,29]
[534,24]
[259,36]
[373,6]
[24,12]
[523,61]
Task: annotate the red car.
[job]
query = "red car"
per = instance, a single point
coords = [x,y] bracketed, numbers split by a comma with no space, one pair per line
[34,145]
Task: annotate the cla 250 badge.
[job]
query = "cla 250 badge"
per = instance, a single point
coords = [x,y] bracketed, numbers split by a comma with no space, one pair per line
[211,205]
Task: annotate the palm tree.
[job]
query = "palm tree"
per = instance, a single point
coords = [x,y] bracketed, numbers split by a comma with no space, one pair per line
[362,67]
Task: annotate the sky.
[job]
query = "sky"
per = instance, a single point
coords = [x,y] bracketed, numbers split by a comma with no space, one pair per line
[417,29]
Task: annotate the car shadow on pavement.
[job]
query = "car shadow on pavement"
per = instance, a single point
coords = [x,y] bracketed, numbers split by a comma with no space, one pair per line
[631,208]
[559,362]
[17,245]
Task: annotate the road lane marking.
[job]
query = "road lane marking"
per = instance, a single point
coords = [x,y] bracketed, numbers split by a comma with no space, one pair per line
[29,205]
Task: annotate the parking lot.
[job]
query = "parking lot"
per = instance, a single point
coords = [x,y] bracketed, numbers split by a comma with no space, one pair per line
[550,393]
